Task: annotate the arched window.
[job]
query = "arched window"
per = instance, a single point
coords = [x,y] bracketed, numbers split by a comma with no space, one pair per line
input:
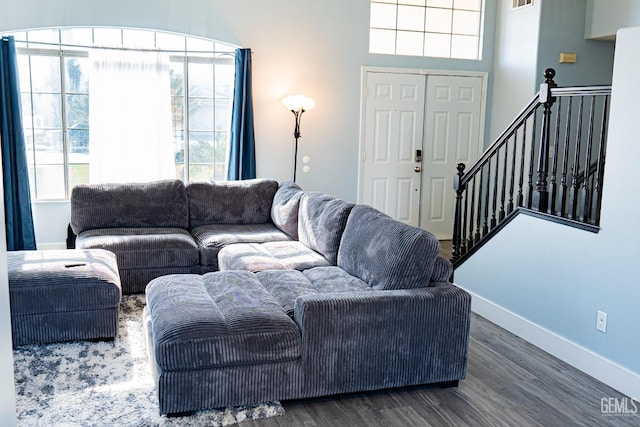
[54,80]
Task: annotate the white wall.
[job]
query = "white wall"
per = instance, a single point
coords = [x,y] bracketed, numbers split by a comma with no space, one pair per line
[546,281]
[307,46]
[515,63]
[606,17]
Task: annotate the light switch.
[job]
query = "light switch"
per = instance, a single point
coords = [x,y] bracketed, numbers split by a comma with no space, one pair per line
[568,58]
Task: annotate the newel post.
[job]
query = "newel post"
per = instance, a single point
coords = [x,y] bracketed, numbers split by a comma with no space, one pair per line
[459,187]
[541,194]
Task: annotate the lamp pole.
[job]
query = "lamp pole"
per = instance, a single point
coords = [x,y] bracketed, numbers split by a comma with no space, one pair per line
[296,134]
[298,104]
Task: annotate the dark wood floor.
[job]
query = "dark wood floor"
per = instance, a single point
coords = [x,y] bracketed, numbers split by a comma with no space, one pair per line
[445,248]
[509,383]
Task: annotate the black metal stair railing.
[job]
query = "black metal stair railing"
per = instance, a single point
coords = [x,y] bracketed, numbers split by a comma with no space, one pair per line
[549,163]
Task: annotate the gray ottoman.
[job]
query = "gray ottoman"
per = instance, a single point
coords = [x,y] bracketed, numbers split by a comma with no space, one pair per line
[219,340]
[63,295]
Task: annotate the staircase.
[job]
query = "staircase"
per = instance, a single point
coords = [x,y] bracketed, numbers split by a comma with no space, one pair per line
[548,163]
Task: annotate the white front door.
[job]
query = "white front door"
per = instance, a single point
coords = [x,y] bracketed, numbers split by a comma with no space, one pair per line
[452,136]
[393,134]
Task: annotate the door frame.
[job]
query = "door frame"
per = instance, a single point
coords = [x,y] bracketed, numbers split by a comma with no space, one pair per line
[426,72]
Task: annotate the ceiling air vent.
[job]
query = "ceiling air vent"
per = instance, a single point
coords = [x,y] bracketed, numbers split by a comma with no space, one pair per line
[521,3]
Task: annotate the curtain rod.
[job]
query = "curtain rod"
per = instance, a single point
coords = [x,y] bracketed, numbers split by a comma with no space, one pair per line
[126,48]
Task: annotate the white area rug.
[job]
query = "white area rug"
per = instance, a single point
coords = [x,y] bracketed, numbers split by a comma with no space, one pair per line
[104,383]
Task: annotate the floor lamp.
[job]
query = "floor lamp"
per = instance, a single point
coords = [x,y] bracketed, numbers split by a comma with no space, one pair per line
[298,104]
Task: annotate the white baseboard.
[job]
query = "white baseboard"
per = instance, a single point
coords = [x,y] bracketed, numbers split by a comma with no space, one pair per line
[48,246]
[616,376]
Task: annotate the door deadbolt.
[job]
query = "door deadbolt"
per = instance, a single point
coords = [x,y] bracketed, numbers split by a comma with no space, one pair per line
[417,169]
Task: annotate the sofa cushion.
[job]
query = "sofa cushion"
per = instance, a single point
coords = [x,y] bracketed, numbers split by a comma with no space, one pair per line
[386,253]
[143,247]
[284,211]
[62,281]
[286,286]
[247,256]
[217,320]
[321,221]
[231,202]
[334,279]
[154,204]
[442,270]
[294,255]
[212,238]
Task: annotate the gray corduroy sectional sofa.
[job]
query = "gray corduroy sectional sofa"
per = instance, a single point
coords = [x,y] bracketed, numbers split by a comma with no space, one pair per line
[314,296]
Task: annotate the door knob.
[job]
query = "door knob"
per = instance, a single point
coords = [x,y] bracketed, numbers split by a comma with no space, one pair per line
[417,169]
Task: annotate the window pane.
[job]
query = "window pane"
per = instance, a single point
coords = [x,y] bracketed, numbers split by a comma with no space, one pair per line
[223,115]
[48,145]
[78,36]
[409,43]
[201,147]
[77,111]
[77,75]
[50,181]
[170,41]
[78,174]
[45,73]
[411,18]
[78,140]
[465,22]
[138,38]
[107,36]
[201,172]
[413,2]
[438,20]
[46,111]
[382,41]
[177,113]
[221,148]
[46,36]
[383,16]
[464,47]
[440,3]
[176,74]
[200,46]
[201,114]
[20,39]
[224,81]
[201,80]
[223,50]
[468,4]
[437,45]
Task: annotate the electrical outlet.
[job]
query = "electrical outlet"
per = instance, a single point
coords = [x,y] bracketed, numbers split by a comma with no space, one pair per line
[601,321]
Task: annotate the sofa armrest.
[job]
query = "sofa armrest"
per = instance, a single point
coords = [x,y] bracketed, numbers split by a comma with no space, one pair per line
[376,339]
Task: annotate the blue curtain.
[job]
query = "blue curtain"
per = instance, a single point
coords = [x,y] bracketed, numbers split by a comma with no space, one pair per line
[17,197]
[242,150]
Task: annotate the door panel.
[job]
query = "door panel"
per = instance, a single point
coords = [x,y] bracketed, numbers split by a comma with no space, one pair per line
[452,130]
[394,116]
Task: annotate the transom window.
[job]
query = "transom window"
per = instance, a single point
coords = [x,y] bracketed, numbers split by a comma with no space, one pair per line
[435,28]
[54,79]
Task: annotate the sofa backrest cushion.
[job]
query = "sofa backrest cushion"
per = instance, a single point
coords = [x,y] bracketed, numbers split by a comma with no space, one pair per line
[231,202]
[442,270]
[153,204]
[386,253]
[284,211]
[321,221]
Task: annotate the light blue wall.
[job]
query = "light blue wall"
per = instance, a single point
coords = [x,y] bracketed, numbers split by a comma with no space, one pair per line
[313,47]
[562,24]
[558,277]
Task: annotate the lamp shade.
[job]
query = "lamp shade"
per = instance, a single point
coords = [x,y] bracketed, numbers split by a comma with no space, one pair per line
[298,103]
